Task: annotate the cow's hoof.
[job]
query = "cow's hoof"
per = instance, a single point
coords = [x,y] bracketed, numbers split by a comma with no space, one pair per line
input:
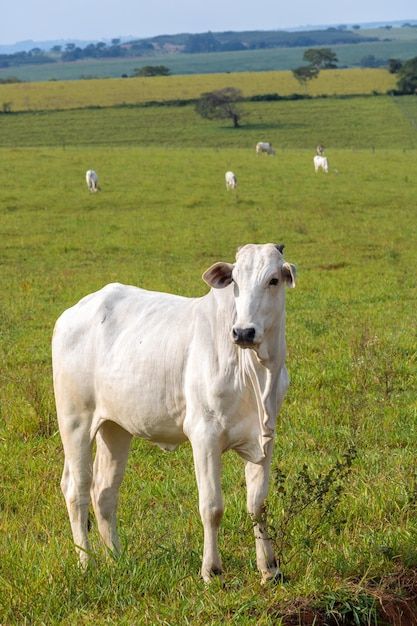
[272,577]
[214,573]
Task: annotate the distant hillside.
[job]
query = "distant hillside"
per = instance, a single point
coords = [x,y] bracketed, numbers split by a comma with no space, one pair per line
[29,44]
[252,40]
[206,53]
[223,42]
[185,43]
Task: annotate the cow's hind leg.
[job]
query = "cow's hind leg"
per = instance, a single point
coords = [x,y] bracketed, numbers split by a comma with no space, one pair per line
[257,480]
[109,466]
[76,480]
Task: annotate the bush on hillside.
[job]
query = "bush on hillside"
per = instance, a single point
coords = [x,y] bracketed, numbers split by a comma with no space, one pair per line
[152,70]
[407,77]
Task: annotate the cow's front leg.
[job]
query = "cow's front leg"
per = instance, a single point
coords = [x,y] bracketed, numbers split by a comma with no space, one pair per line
[257,481]
[207,462]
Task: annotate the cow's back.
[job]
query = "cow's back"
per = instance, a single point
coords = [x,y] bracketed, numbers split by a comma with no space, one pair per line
[120,354]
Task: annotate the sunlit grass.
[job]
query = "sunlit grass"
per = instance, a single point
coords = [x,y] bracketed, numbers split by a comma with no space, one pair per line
[162,218]
[109,92]
[371,123]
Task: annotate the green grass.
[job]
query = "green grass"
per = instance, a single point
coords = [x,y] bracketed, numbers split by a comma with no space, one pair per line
[162,218]
[394,34]
[347,123]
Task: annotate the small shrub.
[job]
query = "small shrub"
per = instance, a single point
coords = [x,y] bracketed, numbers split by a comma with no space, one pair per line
[266,97]
[9,80]
[320,494]
[7,107]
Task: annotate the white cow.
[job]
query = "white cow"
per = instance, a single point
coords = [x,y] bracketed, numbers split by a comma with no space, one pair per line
[320,162]
[231,180]
[168,368]
[92,180]
[264,146]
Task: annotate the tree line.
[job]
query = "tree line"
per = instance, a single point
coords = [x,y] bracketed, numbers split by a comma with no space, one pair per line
[71,52]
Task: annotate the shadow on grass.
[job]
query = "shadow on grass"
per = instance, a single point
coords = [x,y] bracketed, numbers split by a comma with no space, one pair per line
[265,126]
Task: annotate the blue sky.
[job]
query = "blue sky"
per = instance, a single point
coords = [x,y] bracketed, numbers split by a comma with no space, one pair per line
[96,19]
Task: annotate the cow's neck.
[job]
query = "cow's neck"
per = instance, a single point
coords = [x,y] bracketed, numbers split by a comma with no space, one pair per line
[260,369]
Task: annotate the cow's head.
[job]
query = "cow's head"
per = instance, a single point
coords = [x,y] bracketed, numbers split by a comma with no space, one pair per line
[259,277]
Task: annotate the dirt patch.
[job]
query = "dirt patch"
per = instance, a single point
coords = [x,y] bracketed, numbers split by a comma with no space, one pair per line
[392,601]
[333,266]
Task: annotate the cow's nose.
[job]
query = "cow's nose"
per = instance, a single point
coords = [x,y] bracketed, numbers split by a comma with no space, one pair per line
[243,335]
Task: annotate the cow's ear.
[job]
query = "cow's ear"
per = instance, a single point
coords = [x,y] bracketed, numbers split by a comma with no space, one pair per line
[288,273]
[219,275]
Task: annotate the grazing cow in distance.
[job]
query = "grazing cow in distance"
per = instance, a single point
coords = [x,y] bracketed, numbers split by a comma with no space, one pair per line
[92,180]
[320,162]
[231,180]
[210,370]
[264,146]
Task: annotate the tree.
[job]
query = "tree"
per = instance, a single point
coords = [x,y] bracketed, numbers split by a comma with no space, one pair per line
[151,70]
[203,42]
[115,41]
[221,104]
[370,60]
[407,77]
[321,58]
[90,50]
[141,46]
[305,73]
[394,66]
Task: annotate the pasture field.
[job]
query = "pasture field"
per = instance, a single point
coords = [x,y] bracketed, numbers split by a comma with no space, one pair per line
[206,63]
[404,33]
[352,123]
[162,218]
[110,92]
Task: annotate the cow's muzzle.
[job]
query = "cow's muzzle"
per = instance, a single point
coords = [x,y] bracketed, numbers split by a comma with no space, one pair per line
[244,337]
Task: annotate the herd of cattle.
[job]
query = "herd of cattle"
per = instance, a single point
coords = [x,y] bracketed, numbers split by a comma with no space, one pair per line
[262,147]
[319,161]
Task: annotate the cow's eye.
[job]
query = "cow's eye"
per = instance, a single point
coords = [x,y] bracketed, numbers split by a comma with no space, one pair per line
[273,281]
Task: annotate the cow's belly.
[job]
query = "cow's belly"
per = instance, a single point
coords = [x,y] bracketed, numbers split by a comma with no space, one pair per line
[154,406]
[145,407]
